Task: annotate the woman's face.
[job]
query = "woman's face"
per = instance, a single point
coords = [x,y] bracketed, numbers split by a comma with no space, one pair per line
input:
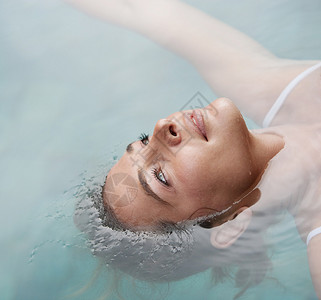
[196,163]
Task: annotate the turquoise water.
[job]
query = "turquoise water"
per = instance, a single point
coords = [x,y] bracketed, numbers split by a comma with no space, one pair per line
[74,91]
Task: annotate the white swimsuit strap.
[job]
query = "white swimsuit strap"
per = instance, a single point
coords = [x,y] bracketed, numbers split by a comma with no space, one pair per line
[279,101]
[313,233]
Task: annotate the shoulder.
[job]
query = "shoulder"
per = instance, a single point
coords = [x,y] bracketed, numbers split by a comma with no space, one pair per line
[301,94]
[255,85]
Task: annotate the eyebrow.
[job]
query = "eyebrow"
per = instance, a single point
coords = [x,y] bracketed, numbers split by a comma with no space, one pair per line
[142,179]
[147,188]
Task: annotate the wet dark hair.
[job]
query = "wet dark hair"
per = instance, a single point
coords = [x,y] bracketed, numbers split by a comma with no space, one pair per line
[134,252]
[172,251]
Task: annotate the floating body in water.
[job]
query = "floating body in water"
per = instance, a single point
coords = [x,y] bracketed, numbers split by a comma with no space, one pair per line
[203,168]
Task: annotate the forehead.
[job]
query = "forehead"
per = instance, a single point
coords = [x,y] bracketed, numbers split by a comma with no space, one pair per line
[126,197]
[121,187]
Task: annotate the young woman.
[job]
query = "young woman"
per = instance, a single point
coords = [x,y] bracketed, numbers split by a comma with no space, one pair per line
[204,166]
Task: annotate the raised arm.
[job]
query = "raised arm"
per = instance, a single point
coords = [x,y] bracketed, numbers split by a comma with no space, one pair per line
[181,28]
[233,64]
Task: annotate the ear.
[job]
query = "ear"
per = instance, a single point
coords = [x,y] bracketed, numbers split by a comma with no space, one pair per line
[226,234]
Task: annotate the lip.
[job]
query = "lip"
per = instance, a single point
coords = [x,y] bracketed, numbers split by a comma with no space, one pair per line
[199,127]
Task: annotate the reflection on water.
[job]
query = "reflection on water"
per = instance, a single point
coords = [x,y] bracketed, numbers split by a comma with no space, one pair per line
[72,96]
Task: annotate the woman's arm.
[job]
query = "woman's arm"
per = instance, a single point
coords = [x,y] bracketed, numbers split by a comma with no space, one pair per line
[233,64]
[183,29]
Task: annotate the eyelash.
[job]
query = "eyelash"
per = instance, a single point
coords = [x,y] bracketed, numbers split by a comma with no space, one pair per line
[144,138]
[155,173]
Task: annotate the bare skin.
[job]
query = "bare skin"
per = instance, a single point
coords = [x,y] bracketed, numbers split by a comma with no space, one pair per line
[283,160]
[204,185]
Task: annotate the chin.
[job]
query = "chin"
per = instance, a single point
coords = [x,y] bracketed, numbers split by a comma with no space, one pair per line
[225,105]
[227,113]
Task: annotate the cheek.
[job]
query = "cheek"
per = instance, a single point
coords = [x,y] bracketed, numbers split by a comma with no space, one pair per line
[209,172]
[195,176]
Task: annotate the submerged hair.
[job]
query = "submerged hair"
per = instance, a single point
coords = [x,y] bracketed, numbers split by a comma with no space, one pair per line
[145,255]
[172,252]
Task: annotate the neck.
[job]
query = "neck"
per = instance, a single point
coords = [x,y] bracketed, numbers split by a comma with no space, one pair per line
[264,147]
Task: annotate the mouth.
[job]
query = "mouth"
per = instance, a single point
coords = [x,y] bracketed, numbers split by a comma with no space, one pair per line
[197,120]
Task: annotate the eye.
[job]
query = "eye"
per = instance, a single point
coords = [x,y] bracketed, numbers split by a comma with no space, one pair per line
[144,138]
[159,175]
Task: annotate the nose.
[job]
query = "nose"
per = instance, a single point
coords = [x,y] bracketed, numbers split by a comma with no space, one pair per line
[167,132]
